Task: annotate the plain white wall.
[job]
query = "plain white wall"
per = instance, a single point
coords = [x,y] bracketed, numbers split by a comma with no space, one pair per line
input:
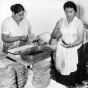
[41,14]
[84,11]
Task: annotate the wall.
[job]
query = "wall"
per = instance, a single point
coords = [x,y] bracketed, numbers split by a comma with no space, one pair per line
[84,11]
[42,14]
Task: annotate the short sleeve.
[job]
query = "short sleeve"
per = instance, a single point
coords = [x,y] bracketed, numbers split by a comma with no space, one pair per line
[5,28]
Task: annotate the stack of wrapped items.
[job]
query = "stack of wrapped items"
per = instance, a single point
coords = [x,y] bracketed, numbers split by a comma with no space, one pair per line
[20,74]
[41,74]
[7,77]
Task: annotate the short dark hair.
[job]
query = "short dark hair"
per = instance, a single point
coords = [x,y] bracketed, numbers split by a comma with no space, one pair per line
[16,8]
[71,5]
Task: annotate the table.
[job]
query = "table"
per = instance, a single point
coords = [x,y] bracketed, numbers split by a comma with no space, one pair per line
[17,58]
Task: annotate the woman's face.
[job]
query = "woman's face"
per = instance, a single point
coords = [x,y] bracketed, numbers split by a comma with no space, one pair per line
[70,13]
[19,16]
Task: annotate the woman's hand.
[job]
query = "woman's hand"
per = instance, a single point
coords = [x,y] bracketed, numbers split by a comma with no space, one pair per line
[24,38]
[67,46]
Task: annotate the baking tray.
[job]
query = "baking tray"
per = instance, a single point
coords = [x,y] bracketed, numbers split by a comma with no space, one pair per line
[34,54]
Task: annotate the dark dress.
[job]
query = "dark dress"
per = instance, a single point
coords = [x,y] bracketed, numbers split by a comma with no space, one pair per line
[75,77]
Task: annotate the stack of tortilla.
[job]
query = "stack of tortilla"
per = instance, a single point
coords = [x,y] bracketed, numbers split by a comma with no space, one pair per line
[7,77]
[41,74]
[20,74]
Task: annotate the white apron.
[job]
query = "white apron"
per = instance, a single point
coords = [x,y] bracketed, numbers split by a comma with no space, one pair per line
[67,58]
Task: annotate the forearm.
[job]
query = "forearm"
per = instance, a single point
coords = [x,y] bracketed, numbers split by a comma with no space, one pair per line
[71,45]
[11,39]
[80,34]
[76,43]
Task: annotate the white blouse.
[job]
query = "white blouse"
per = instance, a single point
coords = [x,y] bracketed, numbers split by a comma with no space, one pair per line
[10,28]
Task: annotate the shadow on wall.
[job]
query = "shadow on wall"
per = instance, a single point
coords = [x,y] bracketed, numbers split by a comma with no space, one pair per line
[78,11]
[82,12]
[83,17]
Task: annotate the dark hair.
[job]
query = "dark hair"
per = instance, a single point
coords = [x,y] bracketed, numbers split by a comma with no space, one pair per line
[16,8]
[71,5]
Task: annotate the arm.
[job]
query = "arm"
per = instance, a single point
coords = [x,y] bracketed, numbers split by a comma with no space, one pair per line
[56,31]
[80,33]
[6,38]
[31,37]
[56,34]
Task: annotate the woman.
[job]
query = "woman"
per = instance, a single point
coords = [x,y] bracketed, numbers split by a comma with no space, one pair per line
[69,62]
[15,29]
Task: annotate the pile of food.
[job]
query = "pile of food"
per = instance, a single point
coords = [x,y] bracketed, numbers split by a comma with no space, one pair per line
[41,74]
[20,74]
[7,77]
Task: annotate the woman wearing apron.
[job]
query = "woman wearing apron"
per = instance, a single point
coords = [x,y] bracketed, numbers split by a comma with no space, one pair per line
[69,58]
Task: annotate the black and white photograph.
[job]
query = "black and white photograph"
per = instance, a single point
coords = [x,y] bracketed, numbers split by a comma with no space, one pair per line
[43,44]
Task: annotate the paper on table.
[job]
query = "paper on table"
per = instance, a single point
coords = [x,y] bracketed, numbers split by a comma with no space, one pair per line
[13,51]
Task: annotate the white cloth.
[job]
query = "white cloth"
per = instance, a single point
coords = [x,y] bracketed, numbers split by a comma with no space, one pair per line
[67,58]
